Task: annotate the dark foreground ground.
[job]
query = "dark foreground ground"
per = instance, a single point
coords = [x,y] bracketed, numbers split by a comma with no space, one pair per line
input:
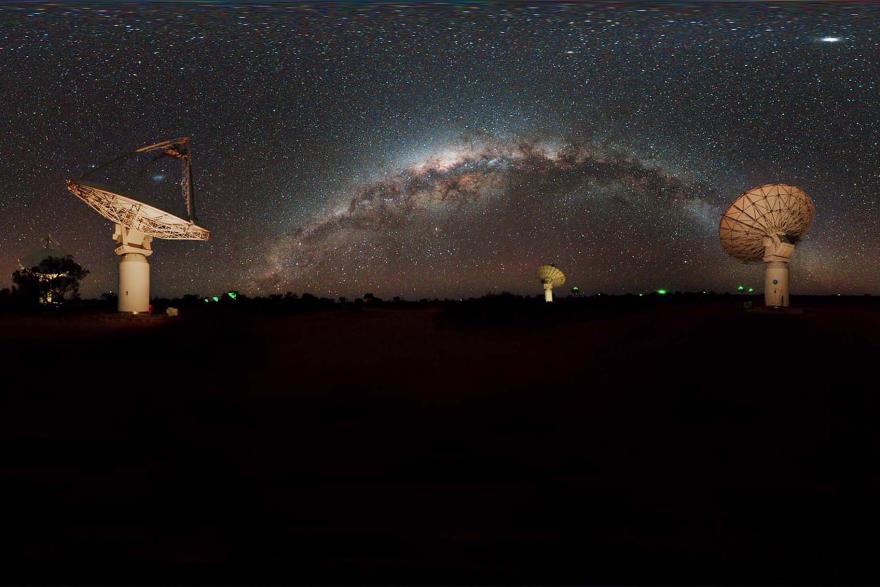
[664,443]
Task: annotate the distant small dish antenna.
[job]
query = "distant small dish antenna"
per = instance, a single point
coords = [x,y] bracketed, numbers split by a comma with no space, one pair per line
[550,277]
[765,224]
[137,224]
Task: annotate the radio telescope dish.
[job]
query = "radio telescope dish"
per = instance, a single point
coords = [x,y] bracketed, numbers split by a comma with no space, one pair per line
[765,224]
[136,215]
[550,277]
[137,224]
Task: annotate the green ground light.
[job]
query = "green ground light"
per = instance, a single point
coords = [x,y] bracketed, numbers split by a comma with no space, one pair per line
[661,292]
[215,298]
[232,294]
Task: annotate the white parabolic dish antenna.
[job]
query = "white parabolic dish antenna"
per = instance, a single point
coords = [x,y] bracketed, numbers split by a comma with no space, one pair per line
[765,224]
[550,277]
[137,224]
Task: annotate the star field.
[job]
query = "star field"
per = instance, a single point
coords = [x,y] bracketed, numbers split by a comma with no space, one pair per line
[434,151]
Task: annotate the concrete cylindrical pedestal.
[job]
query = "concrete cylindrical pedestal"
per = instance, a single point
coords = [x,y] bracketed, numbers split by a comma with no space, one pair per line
[134,283]
[776,284]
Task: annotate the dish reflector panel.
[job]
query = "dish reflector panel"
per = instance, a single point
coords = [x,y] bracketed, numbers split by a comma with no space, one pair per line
[551,274]
[779,210]
[136,215]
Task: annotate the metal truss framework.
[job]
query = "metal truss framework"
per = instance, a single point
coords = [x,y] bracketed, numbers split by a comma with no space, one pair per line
[136,215]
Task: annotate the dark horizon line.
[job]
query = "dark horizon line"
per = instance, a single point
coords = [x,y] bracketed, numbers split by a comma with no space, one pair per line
[565,295]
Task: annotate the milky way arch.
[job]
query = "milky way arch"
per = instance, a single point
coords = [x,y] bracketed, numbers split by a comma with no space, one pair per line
[494,207]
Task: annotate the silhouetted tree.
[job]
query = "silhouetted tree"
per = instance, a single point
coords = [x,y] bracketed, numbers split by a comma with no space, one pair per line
[26,286]
[51,281]
[372,299]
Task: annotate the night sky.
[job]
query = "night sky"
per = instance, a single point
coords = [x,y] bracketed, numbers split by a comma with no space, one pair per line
[446,151]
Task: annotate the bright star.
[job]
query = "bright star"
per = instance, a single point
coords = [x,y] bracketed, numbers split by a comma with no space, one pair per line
[831,39]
